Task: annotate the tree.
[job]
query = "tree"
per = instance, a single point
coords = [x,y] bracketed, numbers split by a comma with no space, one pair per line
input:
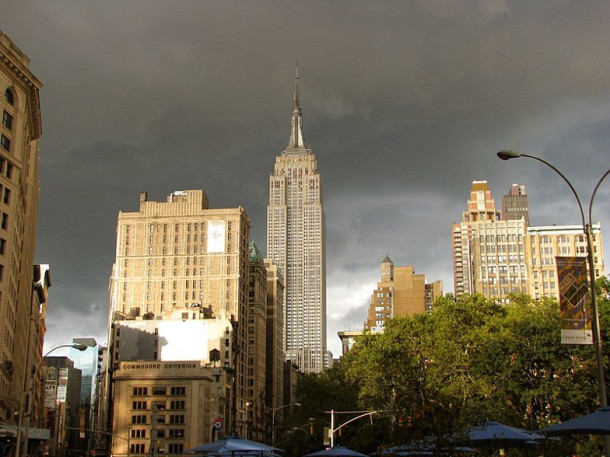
[472,360]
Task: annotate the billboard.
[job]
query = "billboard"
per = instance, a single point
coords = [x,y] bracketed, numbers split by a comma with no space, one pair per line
[574,300]
[216,237]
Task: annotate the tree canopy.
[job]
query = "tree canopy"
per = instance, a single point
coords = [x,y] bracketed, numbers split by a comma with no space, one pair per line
[470,360]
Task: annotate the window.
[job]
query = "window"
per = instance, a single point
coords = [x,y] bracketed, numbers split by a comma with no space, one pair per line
[138,433]
[180,390]
[7,120]
[7,196]
[175,448]
[138,448]
[139,405]
[9,97]
[178,404]
[176,419]
[176,433]
[5,142]
[140,391]
[138,419]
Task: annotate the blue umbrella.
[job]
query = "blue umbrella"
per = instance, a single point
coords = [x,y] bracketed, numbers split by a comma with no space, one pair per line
[597,423]
[337,451]
[498,435]
[232,446]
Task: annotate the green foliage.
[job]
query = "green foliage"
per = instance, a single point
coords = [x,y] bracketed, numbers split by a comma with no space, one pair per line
[469,361]
[472,360]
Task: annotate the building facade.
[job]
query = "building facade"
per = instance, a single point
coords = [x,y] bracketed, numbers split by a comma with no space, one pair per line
[489,252]
[497,257]
[275,337]
[20,132]
[296,244]
[179,293]
[170,406]
[401,292]
[257,352]
[547,242]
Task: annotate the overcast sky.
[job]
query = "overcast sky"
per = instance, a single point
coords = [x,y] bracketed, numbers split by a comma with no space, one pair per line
[405,104]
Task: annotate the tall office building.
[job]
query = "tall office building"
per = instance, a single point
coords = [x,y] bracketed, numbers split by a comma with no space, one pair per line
[296,244]
[20,315]
[515,205]
[179,300]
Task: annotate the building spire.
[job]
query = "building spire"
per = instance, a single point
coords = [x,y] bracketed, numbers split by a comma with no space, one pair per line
[296,127]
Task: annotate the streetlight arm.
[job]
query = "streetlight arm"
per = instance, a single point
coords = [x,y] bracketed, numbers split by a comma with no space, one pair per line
[582,213]
[595,192]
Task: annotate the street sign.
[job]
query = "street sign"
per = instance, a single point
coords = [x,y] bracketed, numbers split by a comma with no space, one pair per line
[217,424]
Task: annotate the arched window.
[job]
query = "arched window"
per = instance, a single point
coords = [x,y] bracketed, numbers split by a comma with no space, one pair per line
[9,97]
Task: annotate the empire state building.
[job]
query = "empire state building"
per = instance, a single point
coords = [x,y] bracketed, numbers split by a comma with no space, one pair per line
[296,244]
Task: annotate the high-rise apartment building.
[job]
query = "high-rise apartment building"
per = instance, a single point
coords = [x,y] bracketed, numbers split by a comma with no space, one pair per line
[497,257]
[20,318]
[401,292]
[488,252]
[481,208]
[296,244]
[547,242]
[515,205]
[179,296]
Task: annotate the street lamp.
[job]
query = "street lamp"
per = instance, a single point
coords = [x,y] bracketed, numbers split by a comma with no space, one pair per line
[28,395]
[273,419]
[587,229]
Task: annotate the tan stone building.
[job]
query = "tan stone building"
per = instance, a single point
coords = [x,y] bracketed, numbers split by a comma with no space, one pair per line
[547,242]
[166,407]
[488,252]
[179,292]
[401,292]
[20,315]
[481,208]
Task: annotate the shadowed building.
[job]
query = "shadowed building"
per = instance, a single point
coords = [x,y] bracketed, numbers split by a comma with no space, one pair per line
[515,205]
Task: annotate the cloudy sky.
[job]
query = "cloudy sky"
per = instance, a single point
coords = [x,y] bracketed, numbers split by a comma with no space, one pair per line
[405,104]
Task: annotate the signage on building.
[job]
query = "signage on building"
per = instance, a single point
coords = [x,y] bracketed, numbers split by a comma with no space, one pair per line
[574,300]
[62,385]
[216,237]
[50,393]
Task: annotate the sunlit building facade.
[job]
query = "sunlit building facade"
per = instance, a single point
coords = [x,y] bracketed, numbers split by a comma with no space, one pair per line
[296,244]
[21,326]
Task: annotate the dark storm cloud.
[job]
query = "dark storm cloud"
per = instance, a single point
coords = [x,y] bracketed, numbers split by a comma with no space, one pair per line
[405,104]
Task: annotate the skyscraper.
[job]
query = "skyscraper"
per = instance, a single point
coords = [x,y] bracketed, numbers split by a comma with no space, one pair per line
[296,244]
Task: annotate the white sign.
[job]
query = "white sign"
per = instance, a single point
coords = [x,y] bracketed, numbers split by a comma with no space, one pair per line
[216,237]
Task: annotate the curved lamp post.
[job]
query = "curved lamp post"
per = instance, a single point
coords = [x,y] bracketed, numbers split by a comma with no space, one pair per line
[273,419]
[28,394]
[507,155]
